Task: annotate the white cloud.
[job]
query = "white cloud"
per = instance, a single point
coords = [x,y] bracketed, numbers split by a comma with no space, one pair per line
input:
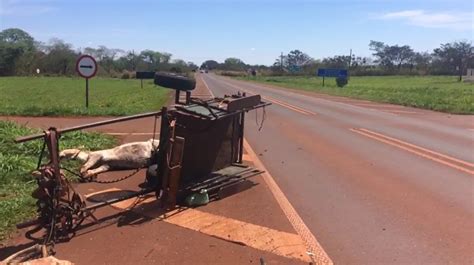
[422,18]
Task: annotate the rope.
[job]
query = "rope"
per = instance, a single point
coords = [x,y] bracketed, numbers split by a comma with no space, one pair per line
[206,105]
[40,158]
[264,114]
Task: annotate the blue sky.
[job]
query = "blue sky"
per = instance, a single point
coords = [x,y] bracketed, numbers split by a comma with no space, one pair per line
[254,31]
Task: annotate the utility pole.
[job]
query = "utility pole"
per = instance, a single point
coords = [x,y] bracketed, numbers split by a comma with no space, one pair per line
[281,61]
[460,69]
[350,59]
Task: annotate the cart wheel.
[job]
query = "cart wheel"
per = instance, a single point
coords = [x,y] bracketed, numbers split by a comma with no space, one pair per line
[174,81]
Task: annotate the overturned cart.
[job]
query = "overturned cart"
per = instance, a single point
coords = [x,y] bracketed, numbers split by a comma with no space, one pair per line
[200,152]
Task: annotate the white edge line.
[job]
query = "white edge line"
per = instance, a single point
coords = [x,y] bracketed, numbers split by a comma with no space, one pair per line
[314,248]
[202,79]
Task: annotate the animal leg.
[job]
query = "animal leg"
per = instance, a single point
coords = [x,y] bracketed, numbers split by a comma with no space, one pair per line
[90,163]
[74,154]
[96,171]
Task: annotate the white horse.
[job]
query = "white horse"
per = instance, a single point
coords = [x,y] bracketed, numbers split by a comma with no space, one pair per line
[126,156]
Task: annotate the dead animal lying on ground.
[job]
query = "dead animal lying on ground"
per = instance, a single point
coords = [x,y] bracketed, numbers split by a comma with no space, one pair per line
[126,156]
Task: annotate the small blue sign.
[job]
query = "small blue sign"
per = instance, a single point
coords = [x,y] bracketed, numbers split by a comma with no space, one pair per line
[332,72]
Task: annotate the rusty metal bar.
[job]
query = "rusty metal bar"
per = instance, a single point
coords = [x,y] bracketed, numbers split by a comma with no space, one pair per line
[118,199]
[176,97]
[241,137]
[90,125]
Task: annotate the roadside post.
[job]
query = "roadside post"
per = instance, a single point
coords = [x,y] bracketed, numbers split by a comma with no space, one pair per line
[86,66]
[329,72]
[144,75]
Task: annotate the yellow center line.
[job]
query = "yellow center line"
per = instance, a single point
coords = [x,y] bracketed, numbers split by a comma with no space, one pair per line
[421,148]
[284,104]
[415,150]
[278,102]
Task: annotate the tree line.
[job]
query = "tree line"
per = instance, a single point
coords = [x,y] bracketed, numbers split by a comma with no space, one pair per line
[449,59]
[21,54]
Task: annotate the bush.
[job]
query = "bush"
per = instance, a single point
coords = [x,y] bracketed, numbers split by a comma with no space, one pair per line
[233,73]
[341,81]
[115,74]
[125,75]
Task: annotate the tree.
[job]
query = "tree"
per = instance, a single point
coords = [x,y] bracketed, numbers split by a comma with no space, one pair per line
[60,58]
[210,64]
[8,56]
[192,65]
[132,60]
[151,58]
[297,58]
[17,37]
[234,64]
[165,57]
[338,61]
[280,64]
[16,51]
[390,56]
[457,55]
[422,61]
[178,66]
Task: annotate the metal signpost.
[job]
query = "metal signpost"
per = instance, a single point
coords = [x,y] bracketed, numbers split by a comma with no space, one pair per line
[86,66]
[326,72]
[144,75]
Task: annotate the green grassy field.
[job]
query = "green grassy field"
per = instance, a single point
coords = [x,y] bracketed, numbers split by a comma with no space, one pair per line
[18,160]
[64,96]
[440,93]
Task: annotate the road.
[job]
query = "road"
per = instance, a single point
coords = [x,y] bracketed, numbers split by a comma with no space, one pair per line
[374,183]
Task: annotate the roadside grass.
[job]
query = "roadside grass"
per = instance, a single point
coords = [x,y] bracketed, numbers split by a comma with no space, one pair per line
[440,93]
[18,160]
[65,96]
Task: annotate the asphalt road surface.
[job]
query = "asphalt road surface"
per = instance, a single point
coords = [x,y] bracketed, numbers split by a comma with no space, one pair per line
[375,183]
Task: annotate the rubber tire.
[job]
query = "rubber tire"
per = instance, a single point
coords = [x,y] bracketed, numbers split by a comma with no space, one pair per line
[174,81]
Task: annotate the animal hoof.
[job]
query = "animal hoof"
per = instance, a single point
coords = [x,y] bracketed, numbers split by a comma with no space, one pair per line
[89,175]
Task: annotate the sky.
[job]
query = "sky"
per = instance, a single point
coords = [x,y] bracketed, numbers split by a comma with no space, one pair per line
[255,31]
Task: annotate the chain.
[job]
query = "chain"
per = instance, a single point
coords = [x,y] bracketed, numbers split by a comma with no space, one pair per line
[102,181]
[116,180]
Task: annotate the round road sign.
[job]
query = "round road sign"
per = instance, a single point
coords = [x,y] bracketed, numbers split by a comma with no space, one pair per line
[86,66]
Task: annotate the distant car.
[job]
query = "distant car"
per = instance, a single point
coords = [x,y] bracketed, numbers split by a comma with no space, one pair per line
[201,71]
[206,71]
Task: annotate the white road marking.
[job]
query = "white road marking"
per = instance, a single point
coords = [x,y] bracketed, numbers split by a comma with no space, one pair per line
[318,254]
[316,251]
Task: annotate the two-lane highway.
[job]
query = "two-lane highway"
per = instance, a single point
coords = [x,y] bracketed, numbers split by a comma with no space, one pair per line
[374,183]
